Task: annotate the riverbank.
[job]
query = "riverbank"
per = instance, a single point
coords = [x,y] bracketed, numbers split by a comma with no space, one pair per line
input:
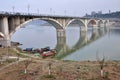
[51,69]
[61,70]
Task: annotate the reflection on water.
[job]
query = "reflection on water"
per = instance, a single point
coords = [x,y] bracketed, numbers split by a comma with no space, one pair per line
[76,45]
[83,41]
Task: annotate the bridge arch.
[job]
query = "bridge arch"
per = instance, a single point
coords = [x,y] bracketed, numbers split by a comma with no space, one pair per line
[100,23]
[106,22]
[92,22]
[80,22]
[53,22]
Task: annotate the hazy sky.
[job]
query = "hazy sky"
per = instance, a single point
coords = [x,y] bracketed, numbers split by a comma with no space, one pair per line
[68,7]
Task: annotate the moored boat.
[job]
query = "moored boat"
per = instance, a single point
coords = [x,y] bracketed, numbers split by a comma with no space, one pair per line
[45,52]
[48,53]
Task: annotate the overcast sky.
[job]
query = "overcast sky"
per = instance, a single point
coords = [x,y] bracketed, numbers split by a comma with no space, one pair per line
[61,7]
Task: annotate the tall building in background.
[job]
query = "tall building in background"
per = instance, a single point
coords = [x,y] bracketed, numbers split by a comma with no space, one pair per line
[99,12]
[109,11]
[93,13]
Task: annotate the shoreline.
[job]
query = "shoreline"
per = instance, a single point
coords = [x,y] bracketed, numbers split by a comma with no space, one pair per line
[62,70]
[38,69]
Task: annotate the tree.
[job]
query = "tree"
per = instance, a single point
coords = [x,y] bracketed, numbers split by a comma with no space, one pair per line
[1,59]
[26,63]
[101,66]
[101,62]
[49,68]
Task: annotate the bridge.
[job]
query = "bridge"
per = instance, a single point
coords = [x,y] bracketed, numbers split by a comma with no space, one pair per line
[10,22]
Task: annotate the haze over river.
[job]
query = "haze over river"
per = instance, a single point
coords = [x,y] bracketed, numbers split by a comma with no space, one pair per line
[78,46]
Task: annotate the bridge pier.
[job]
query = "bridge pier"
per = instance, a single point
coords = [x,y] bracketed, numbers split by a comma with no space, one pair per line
[95,26]
[22,20]
[61,40]
[83,28]
[95,34]
[61,37]
[11,23]
[5,30]
[17,21]
[102,25]
[61,33]
[83,37]
[101,31]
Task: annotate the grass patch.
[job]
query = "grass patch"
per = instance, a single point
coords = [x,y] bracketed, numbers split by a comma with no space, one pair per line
[49,76]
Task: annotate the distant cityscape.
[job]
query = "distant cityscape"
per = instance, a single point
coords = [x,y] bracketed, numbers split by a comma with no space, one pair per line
[99,14]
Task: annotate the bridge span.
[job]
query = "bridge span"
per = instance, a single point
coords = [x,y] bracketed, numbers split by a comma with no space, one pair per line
[10,22]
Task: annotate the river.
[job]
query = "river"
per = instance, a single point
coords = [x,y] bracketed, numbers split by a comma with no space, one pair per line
[77,46]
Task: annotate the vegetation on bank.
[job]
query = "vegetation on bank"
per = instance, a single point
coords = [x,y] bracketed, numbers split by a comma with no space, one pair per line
[51,69]
[61,70]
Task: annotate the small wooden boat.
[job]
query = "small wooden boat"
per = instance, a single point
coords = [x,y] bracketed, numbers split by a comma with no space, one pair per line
[41,50]
[45,52]
[48,53]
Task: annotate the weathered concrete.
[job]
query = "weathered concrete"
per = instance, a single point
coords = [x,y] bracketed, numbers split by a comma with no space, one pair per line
[5,31]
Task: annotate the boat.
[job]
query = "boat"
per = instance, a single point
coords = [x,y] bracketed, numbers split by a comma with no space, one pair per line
[41,50]
[28,49]
[45,49]
[48,53]
[45,52]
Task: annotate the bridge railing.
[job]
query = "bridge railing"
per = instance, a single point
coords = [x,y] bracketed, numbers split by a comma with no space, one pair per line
[34,14]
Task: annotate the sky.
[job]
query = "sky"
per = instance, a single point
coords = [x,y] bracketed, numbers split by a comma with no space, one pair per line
[60,7]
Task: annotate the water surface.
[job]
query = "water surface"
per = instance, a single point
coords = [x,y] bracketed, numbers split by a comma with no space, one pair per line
[78,46]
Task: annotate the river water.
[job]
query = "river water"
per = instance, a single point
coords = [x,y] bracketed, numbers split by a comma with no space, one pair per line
[78,46]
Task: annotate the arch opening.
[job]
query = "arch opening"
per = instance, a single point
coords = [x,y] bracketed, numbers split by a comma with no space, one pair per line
[76,22]
[36,36]
[74,28]
[100,23]
[53,22]
[91,23]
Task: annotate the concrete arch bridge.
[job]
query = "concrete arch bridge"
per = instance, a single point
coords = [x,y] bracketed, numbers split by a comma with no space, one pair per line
[10,22]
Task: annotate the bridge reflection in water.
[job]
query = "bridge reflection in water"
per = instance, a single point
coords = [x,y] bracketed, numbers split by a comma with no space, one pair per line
[64,50]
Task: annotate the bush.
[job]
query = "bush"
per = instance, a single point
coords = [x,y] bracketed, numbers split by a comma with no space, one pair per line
[49,76]
[106,75]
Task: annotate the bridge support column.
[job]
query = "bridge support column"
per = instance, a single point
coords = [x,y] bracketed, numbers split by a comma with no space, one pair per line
[61,41]
[84,28]
[107,24]
[102,25]
[5,31]
[95,26]
[61,33]
[101,31]
[26,19]
[83,37]
[17,21]
[22,20]
[11,24]
[61,36]
[95,34]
